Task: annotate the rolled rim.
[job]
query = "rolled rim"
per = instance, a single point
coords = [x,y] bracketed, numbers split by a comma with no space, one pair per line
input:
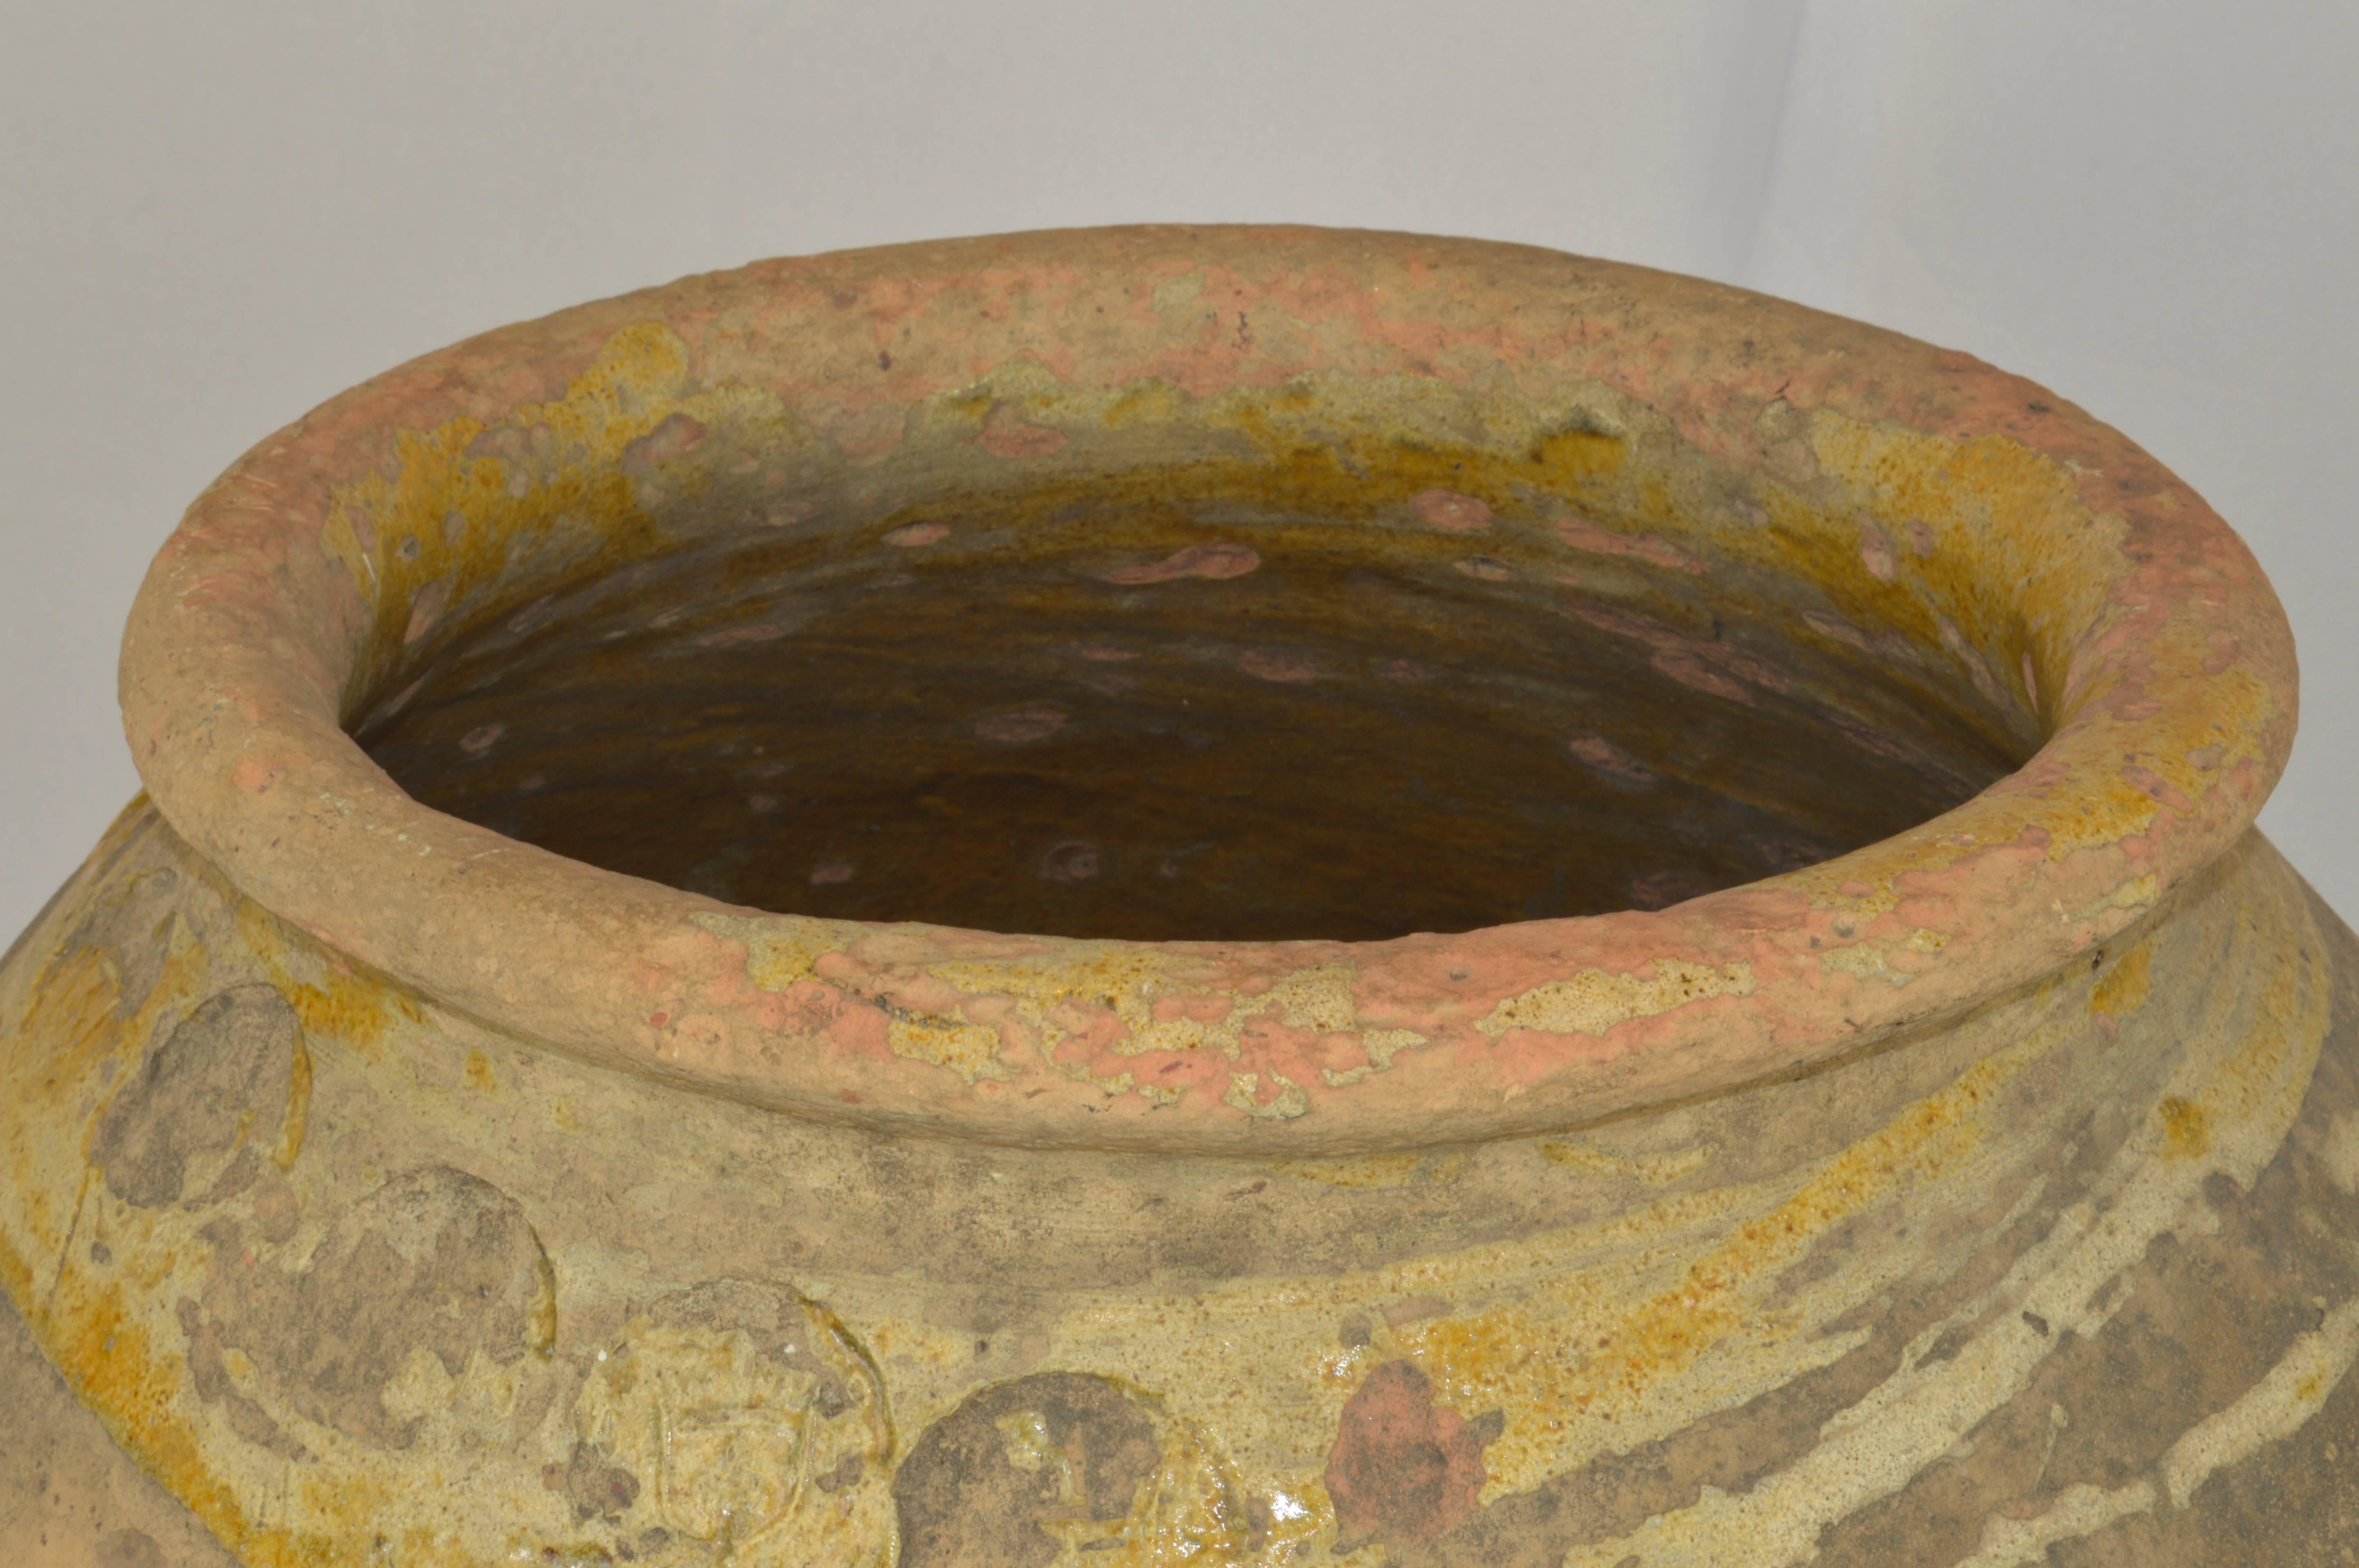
[2161,667]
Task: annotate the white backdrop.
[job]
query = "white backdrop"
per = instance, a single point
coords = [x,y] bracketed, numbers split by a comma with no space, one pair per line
[213,217]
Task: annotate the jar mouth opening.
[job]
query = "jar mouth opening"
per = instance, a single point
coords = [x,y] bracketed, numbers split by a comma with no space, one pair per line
[1000,731]
[1344,679]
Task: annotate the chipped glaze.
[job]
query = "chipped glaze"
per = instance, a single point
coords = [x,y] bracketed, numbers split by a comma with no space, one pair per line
[394,1190]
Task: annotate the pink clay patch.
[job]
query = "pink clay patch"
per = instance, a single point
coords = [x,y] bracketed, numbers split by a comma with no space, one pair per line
[1012,439]
[738,636]
[1273,665]
[1839,630]
[1216,562]
[426,610]
[828,872]
[916,535]
[1598,752]
[1582,535]
[676,436]
[401,698]
[1021,726]
[481,738]
[784,514]
[534,616]
[1978,668]
[1875,553]
[1689,670]
[1402,1469]
[1450,511]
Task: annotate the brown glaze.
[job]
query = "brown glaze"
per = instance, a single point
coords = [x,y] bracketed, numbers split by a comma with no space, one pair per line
[1339,733]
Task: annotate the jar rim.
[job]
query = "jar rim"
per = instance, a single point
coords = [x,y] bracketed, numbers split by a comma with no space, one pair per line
[2172,705]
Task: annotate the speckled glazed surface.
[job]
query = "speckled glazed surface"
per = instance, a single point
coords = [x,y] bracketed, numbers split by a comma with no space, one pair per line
[1189,896]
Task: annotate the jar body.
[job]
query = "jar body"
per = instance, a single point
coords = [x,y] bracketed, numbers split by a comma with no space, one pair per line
[350,1273]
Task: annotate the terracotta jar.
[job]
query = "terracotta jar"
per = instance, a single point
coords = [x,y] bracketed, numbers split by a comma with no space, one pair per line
[1167,896]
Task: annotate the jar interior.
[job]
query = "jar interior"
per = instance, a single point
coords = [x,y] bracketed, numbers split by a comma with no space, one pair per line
[1153,705]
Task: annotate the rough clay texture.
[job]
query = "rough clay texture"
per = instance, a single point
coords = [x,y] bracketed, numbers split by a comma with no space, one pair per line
[1861,490]
[2072,1271]
[375,1189]
[73,1499]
